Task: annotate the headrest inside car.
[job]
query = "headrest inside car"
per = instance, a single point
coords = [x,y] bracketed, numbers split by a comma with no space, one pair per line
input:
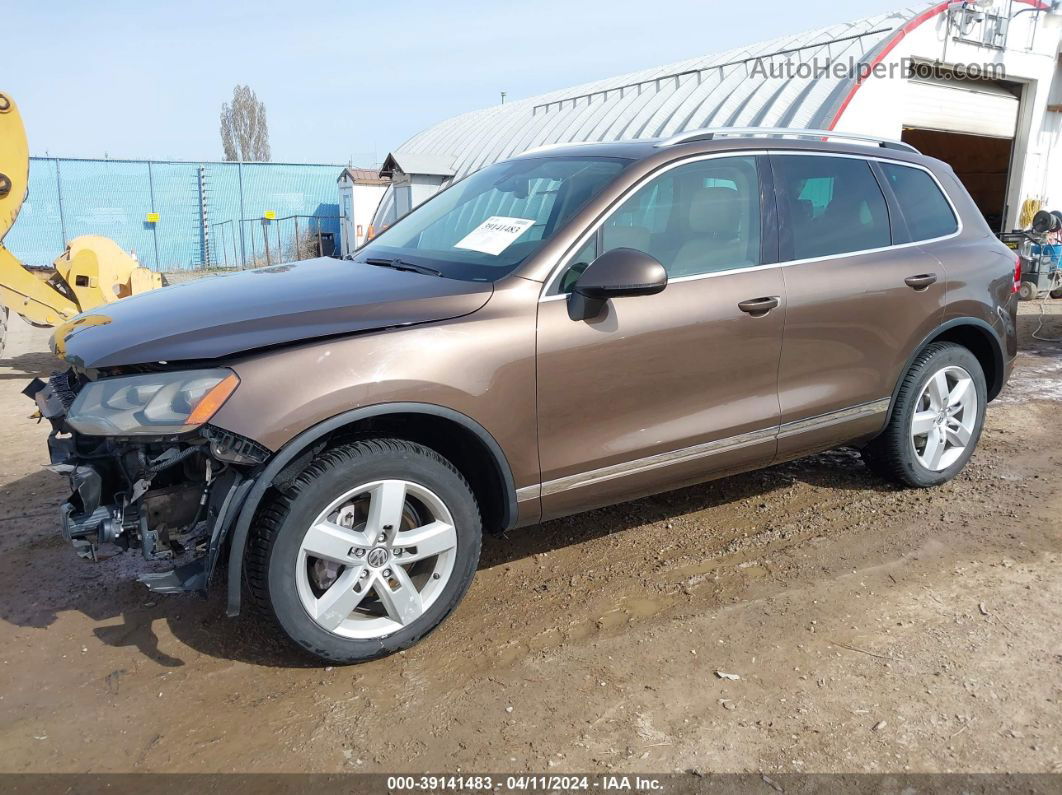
[715,211]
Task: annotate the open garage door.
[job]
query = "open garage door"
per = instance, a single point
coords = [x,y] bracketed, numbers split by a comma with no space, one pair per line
[969,124]
[982,164]
[977,107]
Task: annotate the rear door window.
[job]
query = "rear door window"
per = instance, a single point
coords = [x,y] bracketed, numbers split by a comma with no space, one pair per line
[924,206]
[834,205]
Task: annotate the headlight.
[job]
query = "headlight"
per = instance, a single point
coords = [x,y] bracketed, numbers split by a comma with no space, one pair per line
[151,405]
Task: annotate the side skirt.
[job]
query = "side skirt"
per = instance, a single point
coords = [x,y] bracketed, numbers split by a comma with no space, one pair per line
[706,450]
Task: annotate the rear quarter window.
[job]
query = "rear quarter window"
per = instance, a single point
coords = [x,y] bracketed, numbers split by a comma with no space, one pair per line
[925,208]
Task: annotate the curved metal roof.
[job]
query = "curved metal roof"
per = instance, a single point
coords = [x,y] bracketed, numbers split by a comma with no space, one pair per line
[785,82]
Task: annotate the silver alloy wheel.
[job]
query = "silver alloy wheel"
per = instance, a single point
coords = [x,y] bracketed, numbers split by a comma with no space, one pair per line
[945,418]
[376,559]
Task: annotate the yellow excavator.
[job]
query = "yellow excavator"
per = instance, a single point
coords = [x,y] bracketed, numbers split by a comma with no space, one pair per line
[92,271]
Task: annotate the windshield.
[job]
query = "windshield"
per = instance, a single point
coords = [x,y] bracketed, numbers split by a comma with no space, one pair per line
[484,226]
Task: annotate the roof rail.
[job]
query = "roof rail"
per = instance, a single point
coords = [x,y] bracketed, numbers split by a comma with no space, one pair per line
[709,133]
[559,145]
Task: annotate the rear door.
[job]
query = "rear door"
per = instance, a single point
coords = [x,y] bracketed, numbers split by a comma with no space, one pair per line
[860,298]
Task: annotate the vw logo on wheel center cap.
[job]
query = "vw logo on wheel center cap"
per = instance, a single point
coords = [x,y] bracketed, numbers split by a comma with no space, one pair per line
[377,557]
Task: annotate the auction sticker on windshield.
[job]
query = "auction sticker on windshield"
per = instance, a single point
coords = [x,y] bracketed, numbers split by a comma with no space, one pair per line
[495,234]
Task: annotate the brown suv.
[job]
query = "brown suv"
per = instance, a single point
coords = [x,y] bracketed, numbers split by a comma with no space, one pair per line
[574,327]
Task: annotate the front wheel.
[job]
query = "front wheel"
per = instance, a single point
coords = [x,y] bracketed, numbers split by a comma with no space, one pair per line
[367,551]
[936,419]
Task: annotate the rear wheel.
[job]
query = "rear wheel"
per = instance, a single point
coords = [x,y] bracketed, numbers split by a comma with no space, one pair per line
[1056,293]
[936,419]
[1028,291]
[367,551]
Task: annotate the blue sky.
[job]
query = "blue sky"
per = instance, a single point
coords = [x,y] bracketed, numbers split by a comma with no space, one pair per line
[341,81]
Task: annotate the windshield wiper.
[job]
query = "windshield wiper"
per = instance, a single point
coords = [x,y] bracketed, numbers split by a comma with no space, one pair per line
[400,265]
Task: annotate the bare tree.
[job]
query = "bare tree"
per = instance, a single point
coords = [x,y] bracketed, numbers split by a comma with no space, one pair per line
[244,132]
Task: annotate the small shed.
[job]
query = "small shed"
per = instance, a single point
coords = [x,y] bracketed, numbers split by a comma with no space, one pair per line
[414,177]
[360,191]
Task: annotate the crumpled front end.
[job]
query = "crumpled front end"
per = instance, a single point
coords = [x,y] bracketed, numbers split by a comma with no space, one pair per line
[168,497]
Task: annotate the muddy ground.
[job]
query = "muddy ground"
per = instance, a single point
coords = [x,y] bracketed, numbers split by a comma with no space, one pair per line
[872,629]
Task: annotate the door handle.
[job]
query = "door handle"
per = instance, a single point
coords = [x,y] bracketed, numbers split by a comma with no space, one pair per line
[921,281]
[758,307]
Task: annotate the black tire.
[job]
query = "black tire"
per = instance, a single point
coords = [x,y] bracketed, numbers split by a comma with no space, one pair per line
[892,454]
[270,561]
[1028,291]
[1057,293]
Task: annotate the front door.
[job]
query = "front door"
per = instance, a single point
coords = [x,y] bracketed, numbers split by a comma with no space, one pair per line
[671,389]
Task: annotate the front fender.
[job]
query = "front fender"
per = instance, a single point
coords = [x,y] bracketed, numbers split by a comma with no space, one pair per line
[305,441]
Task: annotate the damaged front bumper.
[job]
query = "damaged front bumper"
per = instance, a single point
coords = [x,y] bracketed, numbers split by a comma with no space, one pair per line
[169,498]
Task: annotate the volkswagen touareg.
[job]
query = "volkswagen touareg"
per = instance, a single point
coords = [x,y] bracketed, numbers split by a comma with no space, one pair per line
[577,326]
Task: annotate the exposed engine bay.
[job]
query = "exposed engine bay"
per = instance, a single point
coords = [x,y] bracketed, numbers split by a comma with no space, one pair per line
[170,497]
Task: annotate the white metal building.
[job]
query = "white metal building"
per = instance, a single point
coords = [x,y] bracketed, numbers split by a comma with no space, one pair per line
[360,191]
[977,84]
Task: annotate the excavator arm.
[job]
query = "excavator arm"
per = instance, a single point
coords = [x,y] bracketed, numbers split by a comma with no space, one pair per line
[32,297]
[20,290]
[14,164]
[92,271]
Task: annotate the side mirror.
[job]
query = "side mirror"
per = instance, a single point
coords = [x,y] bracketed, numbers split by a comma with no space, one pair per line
[619,273]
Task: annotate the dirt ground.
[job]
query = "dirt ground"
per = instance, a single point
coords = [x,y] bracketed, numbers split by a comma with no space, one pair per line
[873,630]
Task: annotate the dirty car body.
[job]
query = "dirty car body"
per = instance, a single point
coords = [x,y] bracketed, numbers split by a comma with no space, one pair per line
[565,330]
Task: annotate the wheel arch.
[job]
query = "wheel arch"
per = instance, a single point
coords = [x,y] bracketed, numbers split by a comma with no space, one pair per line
[976,336]
[479,458]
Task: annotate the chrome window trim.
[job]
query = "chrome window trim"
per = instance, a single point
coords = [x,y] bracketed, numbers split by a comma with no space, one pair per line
[705,450]
[553,280]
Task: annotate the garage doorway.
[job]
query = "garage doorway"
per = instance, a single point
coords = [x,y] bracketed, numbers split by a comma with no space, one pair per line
[970,124]
[982,164]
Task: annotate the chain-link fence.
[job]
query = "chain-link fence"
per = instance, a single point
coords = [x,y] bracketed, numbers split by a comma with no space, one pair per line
[253,242]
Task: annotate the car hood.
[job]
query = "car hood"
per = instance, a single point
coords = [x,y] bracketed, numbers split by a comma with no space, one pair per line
[216,317]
